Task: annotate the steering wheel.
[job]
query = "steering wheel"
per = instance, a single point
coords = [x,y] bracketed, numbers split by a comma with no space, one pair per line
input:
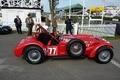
[61,36]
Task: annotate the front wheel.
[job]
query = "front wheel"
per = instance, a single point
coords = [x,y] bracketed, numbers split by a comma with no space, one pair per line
[34,54]
[104,55]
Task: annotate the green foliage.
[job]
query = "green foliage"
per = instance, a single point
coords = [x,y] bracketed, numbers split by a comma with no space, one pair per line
[107,18]
[112,38]
[116,17]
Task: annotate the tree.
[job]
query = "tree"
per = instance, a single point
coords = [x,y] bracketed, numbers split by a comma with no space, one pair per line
[52,5]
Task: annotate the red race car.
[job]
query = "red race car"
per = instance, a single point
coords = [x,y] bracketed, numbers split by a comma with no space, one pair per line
[40,45]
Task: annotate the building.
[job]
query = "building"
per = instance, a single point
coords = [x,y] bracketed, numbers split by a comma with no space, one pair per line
[76,9]
[111,11]
[10,8]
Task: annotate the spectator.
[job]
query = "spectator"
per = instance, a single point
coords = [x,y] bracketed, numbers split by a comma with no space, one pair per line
[29,23]
[18,24]
[68,25]
[47,23]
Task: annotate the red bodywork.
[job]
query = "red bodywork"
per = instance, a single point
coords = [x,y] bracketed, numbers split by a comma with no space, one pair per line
[92,44]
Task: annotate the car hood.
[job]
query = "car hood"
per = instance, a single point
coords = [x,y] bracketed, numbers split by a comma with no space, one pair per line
[81,36]
[85,37]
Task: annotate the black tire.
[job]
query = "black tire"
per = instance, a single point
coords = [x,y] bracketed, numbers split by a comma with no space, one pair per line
[104,55]
[34,54]
[76,48]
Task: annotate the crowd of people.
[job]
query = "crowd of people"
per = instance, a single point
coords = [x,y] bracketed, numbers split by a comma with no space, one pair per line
[30,23]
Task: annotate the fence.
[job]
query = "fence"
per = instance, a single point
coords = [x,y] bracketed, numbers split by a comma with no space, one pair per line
[97,30]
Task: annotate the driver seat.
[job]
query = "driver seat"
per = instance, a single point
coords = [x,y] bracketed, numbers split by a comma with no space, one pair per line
[44,38]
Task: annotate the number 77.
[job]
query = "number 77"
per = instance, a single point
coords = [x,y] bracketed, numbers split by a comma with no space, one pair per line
[52,50]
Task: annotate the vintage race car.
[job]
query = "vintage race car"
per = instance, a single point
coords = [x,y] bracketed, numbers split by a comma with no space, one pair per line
[37,47]
[5,29]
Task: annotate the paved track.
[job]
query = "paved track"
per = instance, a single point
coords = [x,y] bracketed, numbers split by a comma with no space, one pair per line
[13,68]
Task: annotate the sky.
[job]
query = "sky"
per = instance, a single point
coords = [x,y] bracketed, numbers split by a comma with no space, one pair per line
[88,3]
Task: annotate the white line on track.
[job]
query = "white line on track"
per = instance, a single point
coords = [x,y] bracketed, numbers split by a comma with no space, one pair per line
[115,63]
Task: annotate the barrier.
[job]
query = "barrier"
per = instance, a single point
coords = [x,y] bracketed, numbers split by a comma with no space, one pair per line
[97,30]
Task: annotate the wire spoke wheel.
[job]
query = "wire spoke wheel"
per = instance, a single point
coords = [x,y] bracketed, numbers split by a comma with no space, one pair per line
[104,55]
[76,48]
[34,55]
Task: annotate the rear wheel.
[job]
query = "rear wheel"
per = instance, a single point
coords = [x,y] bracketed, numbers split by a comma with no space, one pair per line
[76,48]
[104,55]
[34,54]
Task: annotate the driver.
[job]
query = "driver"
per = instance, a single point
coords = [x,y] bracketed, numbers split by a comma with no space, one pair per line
[57,34]
[37,28]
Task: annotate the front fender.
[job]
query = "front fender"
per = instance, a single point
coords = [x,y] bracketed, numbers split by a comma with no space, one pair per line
[93,52]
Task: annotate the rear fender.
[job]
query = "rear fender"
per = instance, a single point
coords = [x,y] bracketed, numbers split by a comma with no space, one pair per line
[39,44]
[93,52]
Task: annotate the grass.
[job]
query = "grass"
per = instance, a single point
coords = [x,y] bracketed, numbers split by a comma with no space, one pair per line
[112,38]
[14,31]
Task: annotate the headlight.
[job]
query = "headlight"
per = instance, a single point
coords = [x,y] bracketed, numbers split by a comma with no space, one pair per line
[105,40]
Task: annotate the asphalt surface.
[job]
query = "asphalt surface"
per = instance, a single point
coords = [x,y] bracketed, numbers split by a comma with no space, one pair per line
[13,68]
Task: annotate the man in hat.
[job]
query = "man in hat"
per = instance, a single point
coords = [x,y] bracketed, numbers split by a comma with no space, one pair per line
[29,23]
